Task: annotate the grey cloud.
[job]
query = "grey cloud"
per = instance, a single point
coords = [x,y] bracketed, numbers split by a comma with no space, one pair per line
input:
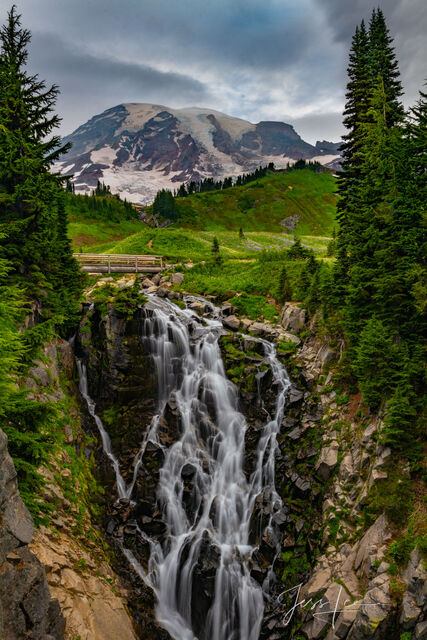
[318,126]
[86,79]
[407,22]
[257,59]
[250,33]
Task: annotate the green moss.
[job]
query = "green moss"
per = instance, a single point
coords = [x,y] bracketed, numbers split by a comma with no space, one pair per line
[254,306]
[127,300]
[286,347]
[393,495]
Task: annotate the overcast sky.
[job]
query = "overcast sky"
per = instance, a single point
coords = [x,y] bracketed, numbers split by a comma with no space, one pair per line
[254,59]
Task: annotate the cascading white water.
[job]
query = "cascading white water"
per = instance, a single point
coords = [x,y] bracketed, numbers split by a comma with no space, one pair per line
[211,445]
[106,442]
[212,442]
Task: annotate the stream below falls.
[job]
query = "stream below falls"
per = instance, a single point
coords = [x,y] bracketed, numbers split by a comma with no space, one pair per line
[209,453]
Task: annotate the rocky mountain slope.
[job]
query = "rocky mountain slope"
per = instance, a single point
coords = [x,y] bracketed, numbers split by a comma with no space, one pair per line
[138,149]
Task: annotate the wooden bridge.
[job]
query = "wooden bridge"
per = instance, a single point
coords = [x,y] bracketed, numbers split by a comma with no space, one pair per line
[118,263]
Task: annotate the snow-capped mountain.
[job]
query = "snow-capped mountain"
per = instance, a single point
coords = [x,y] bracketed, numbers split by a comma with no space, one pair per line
[138,149]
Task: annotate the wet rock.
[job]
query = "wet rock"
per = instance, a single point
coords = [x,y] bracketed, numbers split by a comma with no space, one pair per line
[163,291]
[199,306]
[188,470]
[295,396]
[203,587]
[421,631]
[227,309]
[147,283]
[250,344]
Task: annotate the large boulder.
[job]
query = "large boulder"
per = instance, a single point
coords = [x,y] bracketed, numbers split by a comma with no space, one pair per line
[415,576]
[327,460]
[177,278]
[293,317]
[375,537]
[231,322]
[375,619]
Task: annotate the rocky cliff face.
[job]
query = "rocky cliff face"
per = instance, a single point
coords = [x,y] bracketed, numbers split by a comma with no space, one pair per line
[138,149]
[56,582]
[27,609]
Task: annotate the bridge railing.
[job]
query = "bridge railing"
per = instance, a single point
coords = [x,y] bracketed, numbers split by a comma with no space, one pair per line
[110,263]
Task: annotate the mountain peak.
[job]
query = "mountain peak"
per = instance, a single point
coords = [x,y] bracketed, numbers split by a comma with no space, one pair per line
[139,148]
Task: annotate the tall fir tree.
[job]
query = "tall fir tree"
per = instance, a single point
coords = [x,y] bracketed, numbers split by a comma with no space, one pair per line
[383,64]
[31,214]
[379,275]
[355,114]
[372,60]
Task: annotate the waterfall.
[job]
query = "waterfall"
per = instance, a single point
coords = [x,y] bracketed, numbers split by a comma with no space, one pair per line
[215,514]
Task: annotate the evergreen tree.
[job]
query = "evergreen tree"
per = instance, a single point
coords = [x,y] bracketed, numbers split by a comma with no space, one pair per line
[284,289]
[24,421]
[182,191]
[216,252]
[164,205]
[241,234]
[30,194]
[355,114]
[332,244]
[373,362]
[297,251]
[383,64]
[386,229]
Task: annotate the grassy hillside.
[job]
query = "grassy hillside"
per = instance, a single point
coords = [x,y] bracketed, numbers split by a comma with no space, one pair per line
[99,220]
[263,204]
[185,244]
[106,224]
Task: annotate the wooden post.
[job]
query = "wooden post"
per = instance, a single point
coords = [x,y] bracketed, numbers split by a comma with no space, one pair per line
[109,268]
[136,264]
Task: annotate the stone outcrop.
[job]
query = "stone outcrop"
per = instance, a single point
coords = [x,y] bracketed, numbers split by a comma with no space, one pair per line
[88,591]
[293,318]
[27,610]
